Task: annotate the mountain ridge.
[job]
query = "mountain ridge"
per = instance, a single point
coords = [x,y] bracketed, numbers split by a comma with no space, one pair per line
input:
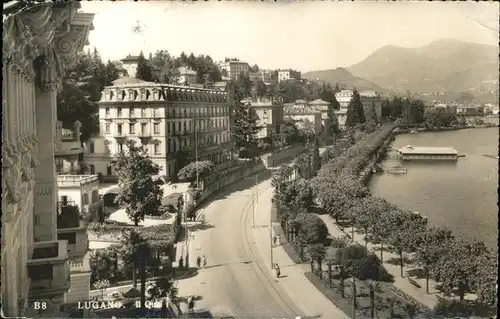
[443,65]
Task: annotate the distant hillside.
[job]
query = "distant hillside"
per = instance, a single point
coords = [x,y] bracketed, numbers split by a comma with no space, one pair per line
[443,65]
[343,78]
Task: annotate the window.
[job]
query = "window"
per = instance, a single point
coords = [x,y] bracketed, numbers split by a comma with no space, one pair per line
[157,148]
[95,196]
[169,127]
[143,128]
[107,128]
[109,169]
[119,111]
[92,169]
[156,112]
[70,237]
[179,126]
[131,111]
[185,127]
[119,129]
[143,113]
[132,128]
[36,220]
[156,128]
[85,200]
[120,148]
[40,272]
[92,147]
[107,111]
[64,200]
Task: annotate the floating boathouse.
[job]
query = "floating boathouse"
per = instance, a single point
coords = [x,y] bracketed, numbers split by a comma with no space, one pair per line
[410,152]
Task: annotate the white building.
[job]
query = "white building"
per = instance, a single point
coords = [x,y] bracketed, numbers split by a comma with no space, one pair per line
[187,76]
[289,74]
[168,120]
[232,69]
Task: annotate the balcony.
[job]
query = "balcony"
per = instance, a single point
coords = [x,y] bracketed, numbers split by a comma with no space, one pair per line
[72,230]
[49,269]
[67,142]
[76,180]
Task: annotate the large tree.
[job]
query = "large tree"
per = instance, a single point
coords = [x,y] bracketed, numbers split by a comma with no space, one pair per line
[139,195]
[357,108]
[144,71]
[81,90]
[243,117]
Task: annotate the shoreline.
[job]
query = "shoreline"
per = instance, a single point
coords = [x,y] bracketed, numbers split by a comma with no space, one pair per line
[442,129]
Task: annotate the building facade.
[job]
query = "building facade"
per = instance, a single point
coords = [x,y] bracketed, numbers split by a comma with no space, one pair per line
[284,75]
[174,123]
[261,75]
[68,148]
[186,76]
[35,264]
[129,64]
[269,114]
[322,107]
[233,69]
[371,101]
[304,117]
[82,193]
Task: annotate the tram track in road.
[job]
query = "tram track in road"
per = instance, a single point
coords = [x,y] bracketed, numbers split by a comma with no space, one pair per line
[265,277]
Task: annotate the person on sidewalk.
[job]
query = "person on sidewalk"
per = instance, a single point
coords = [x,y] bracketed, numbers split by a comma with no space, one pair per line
[274,240]
[181,263]
[278,239]
[198,261]
[204,261]
[278,273]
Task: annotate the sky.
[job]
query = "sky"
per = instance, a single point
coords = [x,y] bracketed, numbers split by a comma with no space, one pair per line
[308,35]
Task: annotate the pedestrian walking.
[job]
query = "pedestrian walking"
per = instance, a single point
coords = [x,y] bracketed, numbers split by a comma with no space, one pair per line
[274,240]
[181,262]
[204,260]
[198,261]
[278,272]
[278,240]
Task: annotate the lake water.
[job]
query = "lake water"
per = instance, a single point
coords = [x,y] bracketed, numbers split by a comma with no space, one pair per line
[461,195]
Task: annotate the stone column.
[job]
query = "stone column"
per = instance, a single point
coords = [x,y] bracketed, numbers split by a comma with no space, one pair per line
[45,173]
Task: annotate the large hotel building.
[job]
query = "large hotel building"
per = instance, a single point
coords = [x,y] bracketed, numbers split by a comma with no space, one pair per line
[36,254]
[174,123]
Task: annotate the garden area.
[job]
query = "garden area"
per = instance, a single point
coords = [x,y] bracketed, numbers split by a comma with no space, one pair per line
[353,276]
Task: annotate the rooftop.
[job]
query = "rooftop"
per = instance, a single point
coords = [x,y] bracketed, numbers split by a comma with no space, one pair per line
[130,58]
[186,71]
[409,149]
[319,102]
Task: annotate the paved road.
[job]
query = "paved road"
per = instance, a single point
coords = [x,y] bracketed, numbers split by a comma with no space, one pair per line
[236,281]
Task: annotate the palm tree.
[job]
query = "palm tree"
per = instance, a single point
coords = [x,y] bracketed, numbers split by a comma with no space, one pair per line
[317,253]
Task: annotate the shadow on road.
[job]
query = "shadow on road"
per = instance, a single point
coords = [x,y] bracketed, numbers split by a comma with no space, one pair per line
[226,264]
[186,273]
[197,227]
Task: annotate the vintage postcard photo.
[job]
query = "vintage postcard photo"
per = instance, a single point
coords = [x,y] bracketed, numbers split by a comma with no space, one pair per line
[250,159]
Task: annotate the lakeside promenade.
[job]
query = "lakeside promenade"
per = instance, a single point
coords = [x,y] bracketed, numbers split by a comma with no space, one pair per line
[419,294]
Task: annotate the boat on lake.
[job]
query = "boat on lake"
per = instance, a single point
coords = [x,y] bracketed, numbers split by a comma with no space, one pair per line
[396,170]
[413,131]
